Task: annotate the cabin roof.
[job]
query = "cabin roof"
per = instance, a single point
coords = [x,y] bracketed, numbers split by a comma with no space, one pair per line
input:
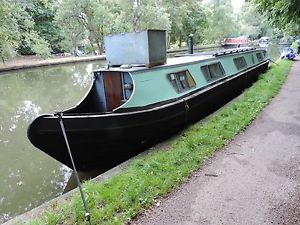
[188,59]
[170,62]
[183,59]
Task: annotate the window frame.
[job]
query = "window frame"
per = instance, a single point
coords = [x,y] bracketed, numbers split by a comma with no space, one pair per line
[181,81]
[207,68]
[260,56]
[252,58]
[240,63]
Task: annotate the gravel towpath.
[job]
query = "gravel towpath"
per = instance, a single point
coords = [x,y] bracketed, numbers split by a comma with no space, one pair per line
[254,180]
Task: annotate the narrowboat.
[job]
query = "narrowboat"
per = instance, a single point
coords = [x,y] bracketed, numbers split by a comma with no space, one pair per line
[141,98]
[235,42]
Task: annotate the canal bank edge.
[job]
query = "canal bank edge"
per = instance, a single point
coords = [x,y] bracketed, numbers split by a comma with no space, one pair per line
[41,210]
[27,63]
[48,62]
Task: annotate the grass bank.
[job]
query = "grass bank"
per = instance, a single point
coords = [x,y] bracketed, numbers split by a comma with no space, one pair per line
[124,196]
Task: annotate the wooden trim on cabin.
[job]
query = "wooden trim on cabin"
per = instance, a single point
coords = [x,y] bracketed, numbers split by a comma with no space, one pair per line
[113,89]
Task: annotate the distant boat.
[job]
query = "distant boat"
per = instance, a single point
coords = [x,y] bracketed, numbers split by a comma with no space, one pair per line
[131,107]
[263,42]
[235,42]
[284,45]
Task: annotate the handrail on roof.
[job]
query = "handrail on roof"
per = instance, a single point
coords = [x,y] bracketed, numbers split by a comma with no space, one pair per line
[233,51]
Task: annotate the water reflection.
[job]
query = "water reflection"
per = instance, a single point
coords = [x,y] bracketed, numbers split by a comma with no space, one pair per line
[29,177]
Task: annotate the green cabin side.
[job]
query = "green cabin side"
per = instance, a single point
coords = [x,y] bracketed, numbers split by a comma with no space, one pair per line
[154,85]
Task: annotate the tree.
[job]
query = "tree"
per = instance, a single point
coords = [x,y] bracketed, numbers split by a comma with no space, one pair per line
[30,40]
[9,33]
[91,20]
[68,19]
[23,29]
[281,13]
[97,18]
[42,13]
[195,22]
[178,11]
[222,22]
[253,23]
[145,14]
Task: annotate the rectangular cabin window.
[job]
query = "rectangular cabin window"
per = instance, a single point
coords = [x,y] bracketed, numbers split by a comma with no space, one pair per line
[259,57]
[181,81]
[213,71]
[252,58]
[265,54]
[240,63]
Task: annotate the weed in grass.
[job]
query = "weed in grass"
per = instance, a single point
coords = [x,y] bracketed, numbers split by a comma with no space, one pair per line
[124,196]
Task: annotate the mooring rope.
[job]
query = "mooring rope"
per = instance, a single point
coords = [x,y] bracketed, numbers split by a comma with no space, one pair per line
[87,211]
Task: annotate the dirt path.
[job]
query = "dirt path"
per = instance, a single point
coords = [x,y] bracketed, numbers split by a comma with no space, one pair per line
[254,180]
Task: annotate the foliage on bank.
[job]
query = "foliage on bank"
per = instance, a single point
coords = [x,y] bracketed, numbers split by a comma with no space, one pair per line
[53,26]
[146,180]
[282,13]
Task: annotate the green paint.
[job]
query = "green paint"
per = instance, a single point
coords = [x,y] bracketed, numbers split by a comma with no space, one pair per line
[152,85]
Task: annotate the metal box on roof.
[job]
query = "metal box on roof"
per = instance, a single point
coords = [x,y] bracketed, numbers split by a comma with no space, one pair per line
[136,48]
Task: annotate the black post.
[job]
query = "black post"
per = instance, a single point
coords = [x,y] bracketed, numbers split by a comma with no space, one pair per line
[190,44]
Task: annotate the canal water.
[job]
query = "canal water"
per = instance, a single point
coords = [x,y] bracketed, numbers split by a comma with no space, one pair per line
[29,177]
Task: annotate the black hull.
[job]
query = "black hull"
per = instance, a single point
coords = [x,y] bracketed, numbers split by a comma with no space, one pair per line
[104,140]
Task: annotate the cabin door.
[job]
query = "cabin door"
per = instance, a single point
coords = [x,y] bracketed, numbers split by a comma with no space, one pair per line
[113,89]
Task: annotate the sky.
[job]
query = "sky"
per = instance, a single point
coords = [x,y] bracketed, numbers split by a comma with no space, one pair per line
[237,4]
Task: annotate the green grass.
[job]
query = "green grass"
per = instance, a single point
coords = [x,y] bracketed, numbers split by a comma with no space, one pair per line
[124,196]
